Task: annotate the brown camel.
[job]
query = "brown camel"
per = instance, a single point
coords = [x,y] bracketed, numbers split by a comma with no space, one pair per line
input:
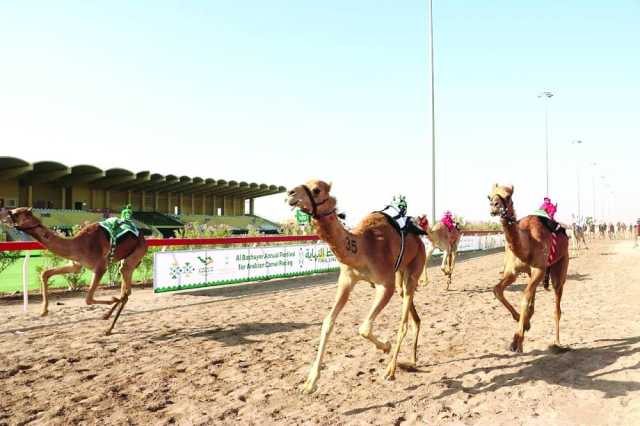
[441,238]
[366,253]
[527,249]
[90,248]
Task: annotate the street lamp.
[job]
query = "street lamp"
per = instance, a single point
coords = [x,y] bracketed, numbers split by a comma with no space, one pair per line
[578,142]
[546,96]
[433,117]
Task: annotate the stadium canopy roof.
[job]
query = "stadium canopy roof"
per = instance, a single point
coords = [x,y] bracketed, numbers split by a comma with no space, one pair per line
[53,173]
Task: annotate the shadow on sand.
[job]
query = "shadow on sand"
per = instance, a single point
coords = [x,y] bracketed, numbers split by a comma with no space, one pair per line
[573,368]
[234,335]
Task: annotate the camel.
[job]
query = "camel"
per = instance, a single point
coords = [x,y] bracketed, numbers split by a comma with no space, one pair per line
[441,238]
[367,253]
[90,248]
[527,251]
[578,233]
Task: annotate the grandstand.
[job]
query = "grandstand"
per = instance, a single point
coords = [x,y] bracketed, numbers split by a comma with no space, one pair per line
[65,196]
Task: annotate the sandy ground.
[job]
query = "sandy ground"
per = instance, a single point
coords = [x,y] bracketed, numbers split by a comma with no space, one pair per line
[240,355]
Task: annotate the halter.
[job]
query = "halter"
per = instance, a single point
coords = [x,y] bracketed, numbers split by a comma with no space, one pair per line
[314,206]
[504,212]
[19,228]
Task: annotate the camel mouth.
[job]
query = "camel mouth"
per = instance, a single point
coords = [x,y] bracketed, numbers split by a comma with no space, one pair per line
[5,217]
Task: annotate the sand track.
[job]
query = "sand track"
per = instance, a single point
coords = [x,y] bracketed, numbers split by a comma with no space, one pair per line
[239,356]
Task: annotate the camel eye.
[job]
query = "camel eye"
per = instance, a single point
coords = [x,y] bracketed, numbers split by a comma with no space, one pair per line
[316,191]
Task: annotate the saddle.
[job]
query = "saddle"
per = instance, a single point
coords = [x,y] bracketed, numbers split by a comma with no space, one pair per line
[117,228]
[403,225]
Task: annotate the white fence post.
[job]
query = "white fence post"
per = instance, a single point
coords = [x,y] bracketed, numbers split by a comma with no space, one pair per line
[25,281]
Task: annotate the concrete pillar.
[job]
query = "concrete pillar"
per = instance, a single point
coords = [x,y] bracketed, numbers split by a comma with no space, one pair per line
[63,198]
[156,201]
[214,204]
[129,197]
[29,196]
[193,203]
[92,199]
[143,203]
[252,206]
[204,204]
[224,206]
[169,204]
[181,203]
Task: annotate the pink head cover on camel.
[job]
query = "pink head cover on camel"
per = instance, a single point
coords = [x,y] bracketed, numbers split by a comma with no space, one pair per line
[447,220]
[549,207]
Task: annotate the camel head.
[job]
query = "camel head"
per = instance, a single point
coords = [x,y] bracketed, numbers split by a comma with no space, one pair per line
[500,201]
[313,198]
[21,218]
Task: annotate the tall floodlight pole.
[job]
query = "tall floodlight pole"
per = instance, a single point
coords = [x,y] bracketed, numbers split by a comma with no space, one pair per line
[593,182]
[433,117]
[578,143]
[546,96]
[603,198]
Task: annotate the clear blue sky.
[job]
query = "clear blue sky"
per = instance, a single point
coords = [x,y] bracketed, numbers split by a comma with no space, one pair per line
[283,91]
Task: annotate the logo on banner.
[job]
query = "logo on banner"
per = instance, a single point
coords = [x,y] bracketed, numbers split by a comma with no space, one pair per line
[176,270]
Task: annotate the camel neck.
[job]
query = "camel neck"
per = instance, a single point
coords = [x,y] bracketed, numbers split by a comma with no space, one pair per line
[52,241]
[512,233]
[344,245]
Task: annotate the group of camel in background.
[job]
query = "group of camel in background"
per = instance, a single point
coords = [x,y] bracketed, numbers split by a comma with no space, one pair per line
[370,252]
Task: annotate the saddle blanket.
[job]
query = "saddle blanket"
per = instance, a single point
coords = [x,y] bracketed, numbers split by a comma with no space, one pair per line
[117,227]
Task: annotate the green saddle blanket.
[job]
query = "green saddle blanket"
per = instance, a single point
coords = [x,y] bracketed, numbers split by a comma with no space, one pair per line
[541,213]
[117,227]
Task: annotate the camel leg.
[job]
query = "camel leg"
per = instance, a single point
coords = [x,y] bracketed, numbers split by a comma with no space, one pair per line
[415,321]
[383,295]
[526,305]
[345,285]
[424,278]
[558,278]
[98,272]
[498,291]
[71,268]
[126,271]
[407,301]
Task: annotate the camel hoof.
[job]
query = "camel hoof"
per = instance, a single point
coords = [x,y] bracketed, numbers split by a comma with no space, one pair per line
[516,345]
[527,326]
[309,387]
[390,375]
[386,348]
[44,313]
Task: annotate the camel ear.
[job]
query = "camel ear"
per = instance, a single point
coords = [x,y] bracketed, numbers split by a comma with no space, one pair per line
[29,209]
[329,184]
[509,188]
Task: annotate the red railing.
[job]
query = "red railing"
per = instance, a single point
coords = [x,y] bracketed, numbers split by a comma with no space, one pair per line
[34,245]
[162,242]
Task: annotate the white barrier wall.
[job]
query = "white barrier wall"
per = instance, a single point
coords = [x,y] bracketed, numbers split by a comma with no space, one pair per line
[191,269]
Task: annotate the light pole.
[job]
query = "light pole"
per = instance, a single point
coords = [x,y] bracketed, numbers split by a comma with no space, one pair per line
[546,96]
[593,182]
[604,199]
[433,117]
[577,143]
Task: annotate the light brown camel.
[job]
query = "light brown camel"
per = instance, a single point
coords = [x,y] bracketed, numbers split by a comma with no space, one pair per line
[441,238]
[527,249]
[90,249]
[366,253]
